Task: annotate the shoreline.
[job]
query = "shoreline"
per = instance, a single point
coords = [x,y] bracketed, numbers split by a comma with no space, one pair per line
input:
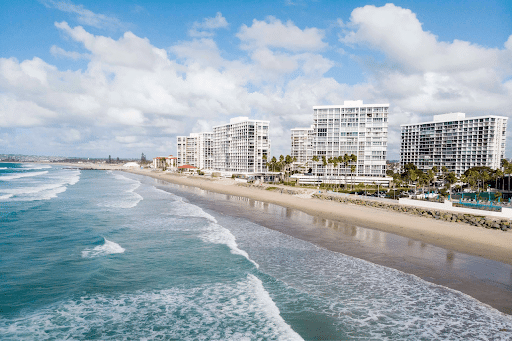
[439,266]
[477,241]
[336,221]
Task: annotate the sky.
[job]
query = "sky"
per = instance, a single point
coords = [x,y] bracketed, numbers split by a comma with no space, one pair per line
[121,78]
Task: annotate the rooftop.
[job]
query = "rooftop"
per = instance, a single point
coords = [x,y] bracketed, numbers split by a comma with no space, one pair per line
[351,104]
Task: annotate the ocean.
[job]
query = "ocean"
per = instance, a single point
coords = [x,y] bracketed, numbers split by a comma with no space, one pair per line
[108,255]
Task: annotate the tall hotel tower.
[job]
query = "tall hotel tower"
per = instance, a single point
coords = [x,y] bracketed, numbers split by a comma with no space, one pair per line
[302,142]
[239,146]
[351,128]
[196,150]
[454,141]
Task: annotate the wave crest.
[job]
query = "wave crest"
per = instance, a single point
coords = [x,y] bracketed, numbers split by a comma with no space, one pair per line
[107,248]
[21,175]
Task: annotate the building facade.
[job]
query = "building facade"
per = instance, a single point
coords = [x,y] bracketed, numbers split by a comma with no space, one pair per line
[455,142]
[196,150]
[352,128]
[165,162]
[302,141]
[239,147]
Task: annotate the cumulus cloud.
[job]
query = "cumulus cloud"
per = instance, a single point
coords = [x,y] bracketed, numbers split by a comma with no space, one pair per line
[129,50]
[133,95]
[21,113]
[83,15]
[60,52]
[272,33]
[206,27]
[428,75]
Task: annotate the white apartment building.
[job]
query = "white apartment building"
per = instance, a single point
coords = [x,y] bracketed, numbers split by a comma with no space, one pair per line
[302,142]
[454,141]
[351,128]
[196,150]
[238,147]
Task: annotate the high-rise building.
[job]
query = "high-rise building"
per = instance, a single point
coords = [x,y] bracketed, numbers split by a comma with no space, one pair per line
[455,142]
[352,128]
[239,146]
[302,139]
[196,150]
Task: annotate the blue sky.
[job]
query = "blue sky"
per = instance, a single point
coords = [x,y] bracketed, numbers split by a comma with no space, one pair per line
[94,79]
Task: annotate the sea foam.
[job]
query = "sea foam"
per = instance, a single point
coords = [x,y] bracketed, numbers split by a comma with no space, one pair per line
[43,188]
[35,166]
[213,233]
[239,311]
[218,234]
[21,175]
[107,248]
[128,199]
[366,300]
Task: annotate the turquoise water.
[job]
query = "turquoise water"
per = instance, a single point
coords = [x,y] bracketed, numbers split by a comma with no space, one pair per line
[102,255]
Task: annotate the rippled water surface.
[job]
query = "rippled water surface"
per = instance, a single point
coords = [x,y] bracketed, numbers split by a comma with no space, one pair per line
[108,256]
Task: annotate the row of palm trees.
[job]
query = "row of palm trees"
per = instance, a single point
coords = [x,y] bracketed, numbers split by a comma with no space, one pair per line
[284,163]
[475,177]
[346,160]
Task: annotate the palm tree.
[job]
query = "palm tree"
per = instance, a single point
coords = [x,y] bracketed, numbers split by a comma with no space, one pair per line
[273,163]
[288,160]
[345,160]
[353,159]
[334,162]
[315,159]
[352,170]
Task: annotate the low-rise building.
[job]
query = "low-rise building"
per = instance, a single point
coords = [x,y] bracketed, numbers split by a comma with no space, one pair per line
[165,162]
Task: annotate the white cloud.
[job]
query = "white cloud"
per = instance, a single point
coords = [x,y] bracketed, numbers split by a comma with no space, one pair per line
[70,135]
[84,16]
[203,51]
[127,139]
[128,51]
[213,23]
[399,34]
[427,75]
[60,52]
[20,113]
[275,62]
[131,88]
[134,95]
[272,33]
[206,27]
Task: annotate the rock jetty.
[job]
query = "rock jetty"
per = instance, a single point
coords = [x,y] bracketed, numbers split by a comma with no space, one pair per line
[475,220]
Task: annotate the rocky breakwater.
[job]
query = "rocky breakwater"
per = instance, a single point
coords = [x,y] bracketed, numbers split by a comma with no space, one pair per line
[471,219]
